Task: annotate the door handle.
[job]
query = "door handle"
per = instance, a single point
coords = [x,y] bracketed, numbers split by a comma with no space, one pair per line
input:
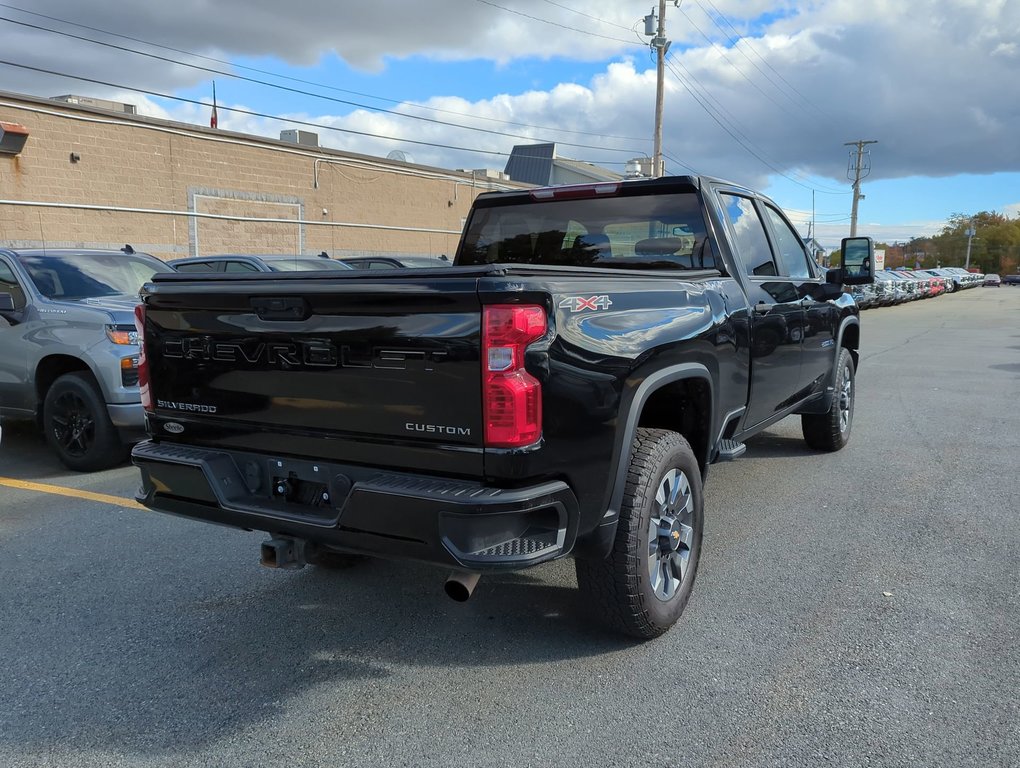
[762,308]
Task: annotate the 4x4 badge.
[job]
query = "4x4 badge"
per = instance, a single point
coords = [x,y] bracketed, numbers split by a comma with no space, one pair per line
[581,303]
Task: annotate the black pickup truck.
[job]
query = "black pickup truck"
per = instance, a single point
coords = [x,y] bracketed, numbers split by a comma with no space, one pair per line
[561,390]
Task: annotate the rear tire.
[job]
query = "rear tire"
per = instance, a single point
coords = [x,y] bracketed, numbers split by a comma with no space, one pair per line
[78,427]
[644,584]
[830,431]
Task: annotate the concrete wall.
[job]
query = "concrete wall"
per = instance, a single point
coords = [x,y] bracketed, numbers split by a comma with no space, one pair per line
[176,190]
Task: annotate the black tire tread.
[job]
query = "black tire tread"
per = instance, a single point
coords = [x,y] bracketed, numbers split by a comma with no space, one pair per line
[613,585]
[821,430]
[108,450]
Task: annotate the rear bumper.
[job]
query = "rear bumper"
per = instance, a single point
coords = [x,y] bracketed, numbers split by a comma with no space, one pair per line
[357,509]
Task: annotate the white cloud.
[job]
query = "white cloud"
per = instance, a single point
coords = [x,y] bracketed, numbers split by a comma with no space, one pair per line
[915,75]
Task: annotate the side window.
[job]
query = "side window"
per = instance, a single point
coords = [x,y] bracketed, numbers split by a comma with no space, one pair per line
[791,247]
[239,266]
[196,266]
[9,284]
[749,232]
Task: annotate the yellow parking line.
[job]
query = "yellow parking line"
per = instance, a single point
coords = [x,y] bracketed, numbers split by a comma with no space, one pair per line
[24,485]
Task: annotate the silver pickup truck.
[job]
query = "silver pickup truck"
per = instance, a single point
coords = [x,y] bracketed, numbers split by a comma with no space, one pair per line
[69,350]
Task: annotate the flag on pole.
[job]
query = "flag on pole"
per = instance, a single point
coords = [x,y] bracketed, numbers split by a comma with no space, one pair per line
[213,121]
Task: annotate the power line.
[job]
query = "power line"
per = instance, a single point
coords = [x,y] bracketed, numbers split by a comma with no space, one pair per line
[703,100]
[681,163]
[304,81]
[556,23]
[252,113]
[299,91]
[589,16]
[738,70]
[736,40]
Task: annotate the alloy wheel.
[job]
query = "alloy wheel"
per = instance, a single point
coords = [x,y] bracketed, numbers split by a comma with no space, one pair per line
[670,535]
[74,426]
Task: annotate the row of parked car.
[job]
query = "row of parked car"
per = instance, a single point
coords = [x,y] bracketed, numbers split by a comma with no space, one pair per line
[895,286]
[79,378]
[68,346]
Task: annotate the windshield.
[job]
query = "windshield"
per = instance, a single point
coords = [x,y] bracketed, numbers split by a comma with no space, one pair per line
[71,276]
[642,232]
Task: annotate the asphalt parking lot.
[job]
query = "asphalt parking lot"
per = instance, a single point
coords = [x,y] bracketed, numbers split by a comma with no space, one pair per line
[859,608]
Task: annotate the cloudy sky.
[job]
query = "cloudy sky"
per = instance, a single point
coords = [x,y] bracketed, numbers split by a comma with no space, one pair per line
[762,92]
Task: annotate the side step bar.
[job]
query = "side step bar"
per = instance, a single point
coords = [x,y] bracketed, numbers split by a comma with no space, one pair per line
[730,450]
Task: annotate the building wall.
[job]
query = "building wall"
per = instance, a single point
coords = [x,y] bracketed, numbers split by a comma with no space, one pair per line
[91,178]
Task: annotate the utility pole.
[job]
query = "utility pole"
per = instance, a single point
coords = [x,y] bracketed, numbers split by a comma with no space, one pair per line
[661,45]
[970,236]
[859,171]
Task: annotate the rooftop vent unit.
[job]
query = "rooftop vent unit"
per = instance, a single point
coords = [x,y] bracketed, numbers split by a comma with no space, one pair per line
[638,167]
[399,155]
[304,138]
[88,101]
[486,173]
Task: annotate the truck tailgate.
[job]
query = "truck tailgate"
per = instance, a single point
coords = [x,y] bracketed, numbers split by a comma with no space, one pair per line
[378,370]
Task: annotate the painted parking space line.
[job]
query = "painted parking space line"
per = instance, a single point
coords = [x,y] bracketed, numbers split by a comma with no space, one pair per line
[57,490]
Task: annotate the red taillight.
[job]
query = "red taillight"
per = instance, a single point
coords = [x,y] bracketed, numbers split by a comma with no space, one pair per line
[143,363]
[512,397]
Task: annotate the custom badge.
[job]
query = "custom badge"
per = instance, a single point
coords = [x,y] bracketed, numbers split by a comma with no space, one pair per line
[585,303]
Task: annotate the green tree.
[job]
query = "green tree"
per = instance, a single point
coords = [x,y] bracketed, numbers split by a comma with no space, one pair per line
[994,248]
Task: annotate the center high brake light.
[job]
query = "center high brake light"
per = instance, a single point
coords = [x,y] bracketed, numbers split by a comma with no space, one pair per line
[575,191]
[512,397]
[143,364]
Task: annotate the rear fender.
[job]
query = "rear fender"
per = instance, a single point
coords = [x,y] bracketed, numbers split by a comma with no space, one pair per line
[600,541]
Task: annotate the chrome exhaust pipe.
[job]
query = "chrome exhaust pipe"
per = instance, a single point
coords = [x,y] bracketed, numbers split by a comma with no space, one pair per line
[460,584]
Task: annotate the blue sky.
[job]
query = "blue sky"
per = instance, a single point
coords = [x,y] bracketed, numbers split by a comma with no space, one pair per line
[762,92]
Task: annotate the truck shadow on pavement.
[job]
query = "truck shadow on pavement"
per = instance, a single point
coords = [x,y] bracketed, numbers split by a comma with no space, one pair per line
[772,444]
[25,454]
[145,652]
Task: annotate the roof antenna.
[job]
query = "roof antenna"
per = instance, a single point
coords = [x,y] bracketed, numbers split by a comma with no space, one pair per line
[42,237]
[128,249]
[323,255]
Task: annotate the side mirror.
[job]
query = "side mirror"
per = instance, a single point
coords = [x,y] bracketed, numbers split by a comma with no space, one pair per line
[6,302]
[857,260]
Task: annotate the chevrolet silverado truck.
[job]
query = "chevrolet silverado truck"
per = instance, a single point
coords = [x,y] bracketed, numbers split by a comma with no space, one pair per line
[561,390]
[68,350]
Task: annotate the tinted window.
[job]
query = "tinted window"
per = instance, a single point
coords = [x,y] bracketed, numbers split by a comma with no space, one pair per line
[664,231]
[9,284]
[791,247]
[749,235]
[90,275]
[196,266]
[7,278]
[239,266]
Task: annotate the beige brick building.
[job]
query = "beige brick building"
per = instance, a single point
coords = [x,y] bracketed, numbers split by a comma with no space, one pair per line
[96,178]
